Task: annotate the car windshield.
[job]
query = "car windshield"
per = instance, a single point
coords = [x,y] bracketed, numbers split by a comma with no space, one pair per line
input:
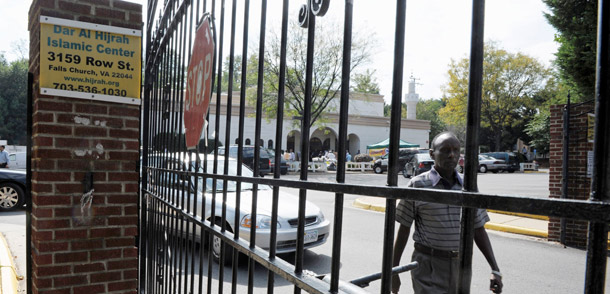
[486,157]
[232,185]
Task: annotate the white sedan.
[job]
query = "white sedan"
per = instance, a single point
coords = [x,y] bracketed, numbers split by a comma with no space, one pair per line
[317,228]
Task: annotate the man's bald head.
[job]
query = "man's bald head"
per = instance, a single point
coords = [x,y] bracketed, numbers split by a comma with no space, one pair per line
[443,135]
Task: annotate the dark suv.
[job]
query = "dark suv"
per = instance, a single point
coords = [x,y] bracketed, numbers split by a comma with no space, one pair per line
[264,164]
[404,155]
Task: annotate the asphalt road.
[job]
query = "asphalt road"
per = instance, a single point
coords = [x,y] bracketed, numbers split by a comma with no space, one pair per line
[529,265]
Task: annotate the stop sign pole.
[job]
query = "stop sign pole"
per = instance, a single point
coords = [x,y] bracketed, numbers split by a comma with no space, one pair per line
[198,84]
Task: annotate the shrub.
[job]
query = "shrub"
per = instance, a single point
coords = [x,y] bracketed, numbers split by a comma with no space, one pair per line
[362,158]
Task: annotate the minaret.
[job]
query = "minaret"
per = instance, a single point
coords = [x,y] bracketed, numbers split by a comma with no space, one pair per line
[411,99]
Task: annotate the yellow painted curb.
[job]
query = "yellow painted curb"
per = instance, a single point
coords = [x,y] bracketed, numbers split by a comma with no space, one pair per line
[534,172]
[534,216]
[8,274]
[361,204]
[516,230]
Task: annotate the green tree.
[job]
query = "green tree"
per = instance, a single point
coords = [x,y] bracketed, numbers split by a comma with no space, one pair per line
[327,67]
[387,110]
[539,127]
[511,83]
[13,100]
[576,22]
[365,82]
[428,110]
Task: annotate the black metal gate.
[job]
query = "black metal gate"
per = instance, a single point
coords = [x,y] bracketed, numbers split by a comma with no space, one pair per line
[174,226]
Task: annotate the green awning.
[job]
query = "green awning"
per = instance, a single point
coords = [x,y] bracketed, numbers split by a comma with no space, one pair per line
[386,143]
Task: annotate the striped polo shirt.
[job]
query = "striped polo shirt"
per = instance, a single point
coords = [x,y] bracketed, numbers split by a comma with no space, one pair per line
[436,225]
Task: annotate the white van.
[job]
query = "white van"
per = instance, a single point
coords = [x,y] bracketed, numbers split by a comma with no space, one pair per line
[17,160]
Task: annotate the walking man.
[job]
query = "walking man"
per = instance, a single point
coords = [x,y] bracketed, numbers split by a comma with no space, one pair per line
[437,227]
[3,157]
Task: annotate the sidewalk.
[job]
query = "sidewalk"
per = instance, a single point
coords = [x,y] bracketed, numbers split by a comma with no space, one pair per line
[8,272]
[530,225]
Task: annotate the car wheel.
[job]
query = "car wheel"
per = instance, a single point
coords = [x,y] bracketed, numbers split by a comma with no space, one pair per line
[378,170]
[11,196]
[404,173]
[494,171]
[483,168]
[460,169]
[216,246]
[511,171]
[284,172]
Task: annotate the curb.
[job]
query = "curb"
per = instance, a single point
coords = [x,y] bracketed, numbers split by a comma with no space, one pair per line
[492,226]
[361,204]
[8,273]
[534,216]
[516,230]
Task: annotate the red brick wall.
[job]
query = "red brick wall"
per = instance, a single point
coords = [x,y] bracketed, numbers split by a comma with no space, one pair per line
[72,252]
[579,186]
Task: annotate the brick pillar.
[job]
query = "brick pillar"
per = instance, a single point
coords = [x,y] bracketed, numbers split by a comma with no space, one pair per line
[579,185]
[95,252]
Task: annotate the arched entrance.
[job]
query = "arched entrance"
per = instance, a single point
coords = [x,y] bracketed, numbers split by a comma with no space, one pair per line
[327,138]
[315,147]
[353,144]
[293,141]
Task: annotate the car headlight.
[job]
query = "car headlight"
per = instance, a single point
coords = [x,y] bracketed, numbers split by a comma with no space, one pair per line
[262,222]
[321,216]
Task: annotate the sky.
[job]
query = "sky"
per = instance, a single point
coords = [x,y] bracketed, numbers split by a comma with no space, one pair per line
[436,32]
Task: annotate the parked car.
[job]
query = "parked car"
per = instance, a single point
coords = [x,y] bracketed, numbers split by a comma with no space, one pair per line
[511,159]
[421,162]
[17,160]
[404,155]
[486,163]
[317,227]
[12,189]
[264,164]
[283,163]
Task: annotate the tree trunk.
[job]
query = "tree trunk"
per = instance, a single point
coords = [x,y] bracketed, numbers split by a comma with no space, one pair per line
[497,139]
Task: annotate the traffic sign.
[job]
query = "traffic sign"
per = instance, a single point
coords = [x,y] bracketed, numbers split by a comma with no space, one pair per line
[198,84]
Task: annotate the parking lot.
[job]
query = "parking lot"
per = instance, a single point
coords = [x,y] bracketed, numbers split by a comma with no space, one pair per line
[524,184]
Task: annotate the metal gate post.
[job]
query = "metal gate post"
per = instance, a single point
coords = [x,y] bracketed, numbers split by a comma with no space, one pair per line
[565,166]
[473,120]
[595,278]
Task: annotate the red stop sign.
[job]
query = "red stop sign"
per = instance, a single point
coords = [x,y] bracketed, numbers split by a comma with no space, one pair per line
[198,84]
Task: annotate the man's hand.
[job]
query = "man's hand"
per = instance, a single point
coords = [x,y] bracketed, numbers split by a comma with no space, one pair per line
[495,283]
[395,284]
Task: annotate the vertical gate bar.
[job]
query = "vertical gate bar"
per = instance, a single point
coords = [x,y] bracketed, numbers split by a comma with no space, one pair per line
[179,96]
[240,138]
[223,226]
[392,179]
[278,143]
[154,112]
[257,138]
[171,156]
[218,63]
[28,184]
[600,187]
[182,141]
[343,121]
[142,210]
[565,166]
[217,79]
[305,129]
[473,121]
[163,174]
[204,233]
[191,24]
